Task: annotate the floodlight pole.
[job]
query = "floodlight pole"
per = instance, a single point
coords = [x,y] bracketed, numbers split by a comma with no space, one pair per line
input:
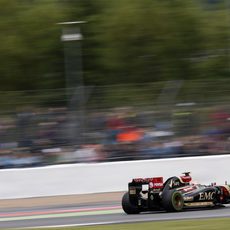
[71,38]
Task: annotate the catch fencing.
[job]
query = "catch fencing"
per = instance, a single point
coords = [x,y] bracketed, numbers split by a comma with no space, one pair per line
[62,119]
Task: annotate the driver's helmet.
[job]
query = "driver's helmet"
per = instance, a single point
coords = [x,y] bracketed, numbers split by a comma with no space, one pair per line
[186,178]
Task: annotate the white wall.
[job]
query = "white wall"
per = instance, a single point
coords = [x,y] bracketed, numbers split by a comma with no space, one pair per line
[106,177]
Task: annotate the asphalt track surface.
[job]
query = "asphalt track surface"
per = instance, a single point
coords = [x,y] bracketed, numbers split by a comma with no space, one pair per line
[92,214]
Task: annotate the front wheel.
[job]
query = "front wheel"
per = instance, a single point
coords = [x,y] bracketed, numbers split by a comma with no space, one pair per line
[172,201]
[127,206]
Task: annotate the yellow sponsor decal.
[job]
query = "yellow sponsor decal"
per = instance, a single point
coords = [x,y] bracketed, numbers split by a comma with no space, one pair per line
[198,204]
[132,191]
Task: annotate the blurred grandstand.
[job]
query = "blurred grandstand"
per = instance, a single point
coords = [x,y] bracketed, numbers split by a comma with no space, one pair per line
[113,123]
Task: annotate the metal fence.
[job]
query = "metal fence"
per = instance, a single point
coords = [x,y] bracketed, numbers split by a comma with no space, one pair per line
[176,118]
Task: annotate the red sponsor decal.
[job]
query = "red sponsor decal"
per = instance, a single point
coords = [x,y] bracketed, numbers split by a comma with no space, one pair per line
[154,182]
[188,188]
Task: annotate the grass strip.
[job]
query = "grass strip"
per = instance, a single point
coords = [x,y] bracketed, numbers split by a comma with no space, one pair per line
[195,224]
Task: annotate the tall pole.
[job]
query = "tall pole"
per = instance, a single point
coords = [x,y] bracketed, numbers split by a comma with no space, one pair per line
[228,33]
[72,37]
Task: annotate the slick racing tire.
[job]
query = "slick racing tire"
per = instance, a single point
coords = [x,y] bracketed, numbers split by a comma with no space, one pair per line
[172,201]
[127,206]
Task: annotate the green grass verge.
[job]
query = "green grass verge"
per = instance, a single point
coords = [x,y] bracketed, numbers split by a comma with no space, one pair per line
[196,224]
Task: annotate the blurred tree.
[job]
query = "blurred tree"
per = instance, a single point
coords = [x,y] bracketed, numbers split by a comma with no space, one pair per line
[125,41]
[30,45]
[155,40]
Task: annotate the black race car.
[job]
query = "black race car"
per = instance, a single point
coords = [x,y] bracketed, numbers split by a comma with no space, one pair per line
[175,194]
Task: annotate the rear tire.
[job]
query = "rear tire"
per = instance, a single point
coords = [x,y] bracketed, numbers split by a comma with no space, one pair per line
[172,201]
[127,206]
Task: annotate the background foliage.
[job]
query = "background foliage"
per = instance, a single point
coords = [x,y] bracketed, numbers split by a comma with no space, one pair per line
[125,41]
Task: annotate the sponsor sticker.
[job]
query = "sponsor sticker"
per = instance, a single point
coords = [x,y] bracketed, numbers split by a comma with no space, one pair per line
[206,195]
[188,198]
[199,204]
[145,187]
[132,191]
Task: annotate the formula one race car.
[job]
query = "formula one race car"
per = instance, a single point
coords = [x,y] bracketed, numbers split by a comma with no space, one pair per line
[175,194]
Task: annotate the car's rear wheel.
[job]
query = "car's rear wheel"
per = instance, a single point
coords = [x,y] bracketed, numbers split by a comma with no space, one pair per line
[172,201]
[127,206]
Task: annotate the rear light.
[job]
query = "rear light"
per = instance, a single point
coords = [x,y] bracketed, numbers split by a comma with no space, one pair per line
[225,192]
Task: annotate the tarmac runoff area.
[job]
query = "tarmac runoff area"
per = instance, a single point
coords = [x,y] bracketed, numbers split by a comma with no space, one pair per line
[61,200]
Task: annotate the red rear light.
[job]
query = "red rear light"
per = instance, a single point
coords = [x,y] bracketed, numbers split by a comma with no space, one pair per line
[225,192]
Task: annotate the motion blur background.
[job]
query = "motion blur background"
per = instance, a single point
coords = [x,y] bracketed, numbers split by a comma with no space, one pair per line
[99,80]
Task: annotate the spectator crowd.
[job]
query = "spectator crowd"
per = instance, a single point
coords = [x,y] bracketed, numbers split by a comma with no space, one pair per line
[45,136]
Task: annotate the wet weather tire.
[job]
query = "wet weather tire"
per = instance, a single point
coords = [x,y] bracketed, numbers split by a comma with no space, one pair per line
[172,201]
[127,206]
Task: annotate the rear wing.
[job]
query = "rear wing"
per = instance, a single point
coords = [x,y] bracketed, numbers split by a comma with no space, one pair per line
[148,183]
